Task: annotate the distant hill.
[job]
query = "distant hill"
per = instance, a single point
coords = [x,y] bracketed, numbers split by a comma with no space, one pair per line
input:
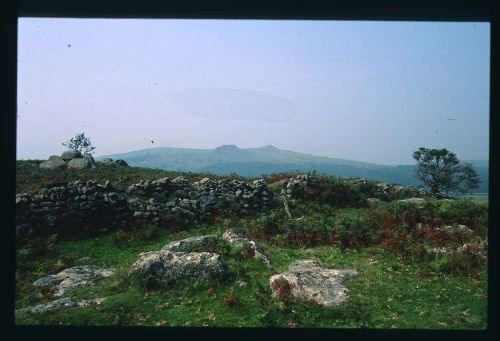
[253,162]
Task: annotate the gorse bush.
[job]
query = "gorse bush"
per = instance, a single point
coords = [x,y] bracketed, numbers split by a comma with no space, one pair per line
[343,193]
[335,192]
[352,231]
[276,227]
[269,224]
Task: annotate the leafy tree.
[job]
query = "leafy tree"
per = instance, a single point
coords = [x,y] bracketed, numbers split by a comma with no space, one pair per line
[442,172]
[80,143]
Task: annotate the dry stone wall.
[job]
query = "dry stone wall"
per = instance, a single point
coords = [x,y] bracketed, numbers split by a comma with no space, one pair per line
[298,186]
[67,206]
[78,205]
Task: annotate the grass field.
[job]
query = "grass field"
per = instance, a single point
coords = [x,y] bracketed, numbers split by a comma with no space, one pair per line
[481,198]
[389,293]
[394,289]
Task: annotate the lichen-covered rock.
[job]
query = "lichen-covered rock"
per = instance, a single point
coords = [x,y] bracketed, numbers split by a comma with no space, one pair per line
[70,155]
[477,249]
[307,282]
[61,303]
[54,162]
[235,237]
[164,268]
[118,186]
[121,163]
[198,243]
[439,250]
[106,162]
[203,181]
[78,276]
[374,200]
[296,187]
[90,158]
[79,163]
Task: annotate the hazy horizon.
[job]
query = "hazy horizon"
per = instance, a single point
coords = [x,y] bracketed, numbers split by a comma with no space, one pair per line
[149,148]
[361,91]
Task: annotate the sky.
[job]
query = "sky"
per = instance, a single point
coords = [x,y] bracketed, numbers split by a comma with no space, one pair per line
[357,90]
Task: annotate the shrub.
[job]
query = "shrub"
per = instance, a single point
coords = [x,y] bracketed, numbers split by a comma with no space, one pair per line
[267,225]
[310,231]
[80,143]
[463,212]
[335,192]
[352,231]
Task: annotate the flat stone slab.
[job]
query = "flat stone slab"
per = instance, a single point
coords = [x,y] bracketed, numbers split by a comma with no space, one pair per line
[61,303]
[233,236]
[164,268]
[307,282]
[78,276]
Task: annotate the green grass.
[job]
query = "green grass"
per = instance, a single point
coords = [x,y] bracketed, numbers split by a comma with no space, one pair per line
[478,198]
[388,293]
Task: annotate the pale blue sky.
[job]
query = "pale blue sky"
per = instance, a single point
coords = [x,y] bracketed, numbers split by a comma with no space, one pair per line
[367,91]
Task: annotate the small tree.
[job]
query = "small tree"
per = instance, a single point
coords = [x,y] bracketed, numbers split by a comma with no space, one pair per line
[442,172]
[80,143]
